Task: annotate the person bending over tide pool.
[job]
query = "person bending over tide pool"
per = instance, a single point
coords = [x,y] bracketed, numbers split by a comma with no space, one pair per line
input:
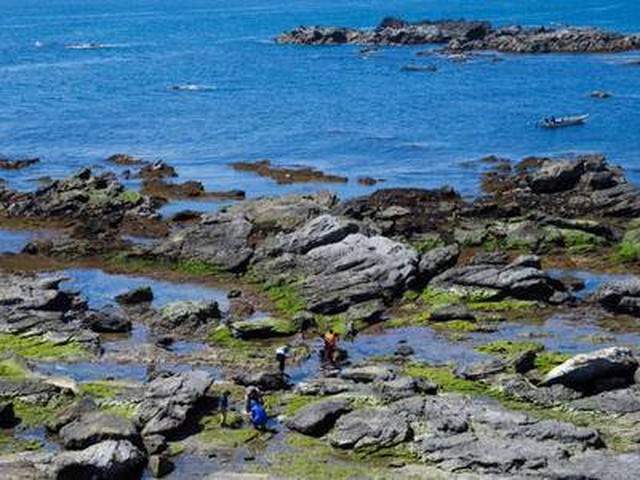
[330,340]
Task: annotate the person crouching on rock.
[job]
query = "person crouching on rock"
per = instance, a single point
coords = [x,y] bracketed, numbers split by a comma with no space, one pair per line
[258,415]
[251,395]
[281,356]
[330,340]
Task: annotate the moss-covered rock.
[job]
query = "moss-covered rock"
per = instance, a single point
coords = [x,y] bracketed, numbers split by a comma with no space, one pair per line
[263,328]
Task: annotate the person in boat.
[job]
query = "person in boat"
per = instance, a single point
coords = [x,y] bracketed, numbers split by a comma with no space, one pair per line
[282,353]
[330,340]
[252,395]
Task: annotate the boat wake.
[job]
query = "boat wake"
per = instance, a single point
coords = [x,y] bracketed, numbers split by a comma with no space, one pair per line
[191,87]
[89,46]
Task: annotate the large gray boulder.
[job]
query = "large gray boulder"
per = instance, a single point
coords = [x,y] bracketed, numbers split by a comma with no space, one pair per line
[336,263]
[107,460]
[621,401]
[221,240]
[168,401]
[376,427]
[318,418]
[521,279]
[620,296]
[185,317]
[96,427]
[357,269]
[595,370]
[436,261]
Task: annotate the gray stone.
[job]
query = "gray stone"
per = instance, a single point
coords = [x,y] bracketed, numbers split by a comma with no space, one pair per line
[368,373]
[95,427]
[264,380]
[620,296]
[107,460]
[447,313]
[187,316]
[582,371]
[621,401]
[318,418]
[138,295]
[102,322]
[436,261]
[168,401]
[160,465]
[70,414]
[403,387]
[370,428]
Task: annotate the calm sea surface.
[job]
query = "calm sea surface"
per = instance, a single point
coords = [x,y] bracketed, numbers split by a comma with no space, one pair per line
[323,106]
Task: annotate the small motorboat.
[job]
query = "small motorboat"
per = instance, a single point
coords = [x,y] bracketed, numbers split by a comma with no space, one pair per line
[417,67]
[567,121]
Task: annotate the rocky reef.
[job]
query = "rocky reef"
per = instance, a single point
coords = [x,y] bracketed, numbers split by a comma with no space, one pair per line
[493,337]
[464,35]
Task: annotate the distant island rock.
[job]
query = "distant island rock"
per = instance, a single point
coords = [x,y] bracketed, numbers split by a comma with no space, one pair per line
[464,35]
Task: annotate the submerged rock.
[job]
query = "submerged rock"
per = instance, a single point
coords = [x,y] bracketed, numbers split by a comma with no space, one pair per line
[138,295]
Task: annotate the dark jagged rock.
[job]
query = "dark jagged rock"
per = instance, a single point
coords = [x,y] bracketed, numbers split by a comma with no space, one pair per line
[264,380]
[7,416]
[569,188]
[191,189]
[436,261]
[138,295]
[17,164]
[318,418]
[158,169]
[103,322]
[168,402]
[462,35]
[71,413]
[37,306]
[620,296]
[520,279]
[286,175]
[592,371]
[482,369]
[368,373]
[83,196]
[124,159]
[521,389]
[403,387]
[186,317]
[403,211]
[95,427]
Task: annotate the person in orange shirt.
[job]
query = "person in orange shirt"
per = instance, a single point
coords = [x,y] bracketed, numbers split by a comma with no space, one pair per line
[330,339]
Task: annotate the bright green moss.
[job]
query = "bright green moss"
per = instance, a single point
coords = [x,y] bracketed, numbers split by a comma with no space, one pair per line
[441,296]
[504,305]
[122,409]
[190,267]
[445,378]
[509,348]
[212,432]
[32,414]
[456,326]
[100,388]
[13,368]
[39,347]
[10,444]
[130,196]
[285,298]
[546,361]
[628,251]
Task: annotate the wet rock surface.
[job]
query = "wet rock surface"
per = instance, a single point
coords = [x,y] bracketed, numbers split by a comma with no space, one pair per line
[318,418]
[468,35]
[168,402]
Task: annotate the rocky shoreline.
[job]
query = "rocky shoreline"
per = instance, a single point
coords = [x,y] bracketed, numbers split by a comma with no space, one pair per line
[466,273]
[468,35]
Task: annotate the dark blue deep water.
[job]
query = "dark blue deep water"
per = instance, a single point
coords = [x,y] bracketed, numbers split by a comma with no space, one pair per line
[322,106]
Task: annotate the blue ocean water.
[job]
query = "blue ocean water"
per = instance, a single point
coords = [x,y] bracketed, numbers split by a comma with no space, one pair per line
[323,106]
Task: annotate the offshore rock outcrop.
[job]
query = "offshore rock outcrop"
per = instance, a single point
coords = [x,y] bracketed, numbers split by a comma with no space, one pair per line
[468,35]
